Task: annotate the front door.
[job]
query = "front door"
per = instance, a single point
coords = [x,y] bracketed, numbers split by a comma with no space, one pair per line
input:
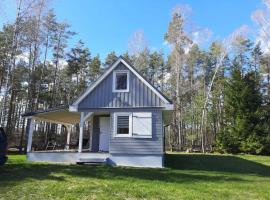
[104,123]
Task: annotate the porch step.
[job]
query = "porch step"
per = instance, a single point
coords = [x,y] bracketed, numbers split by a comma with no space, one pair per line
[91,160]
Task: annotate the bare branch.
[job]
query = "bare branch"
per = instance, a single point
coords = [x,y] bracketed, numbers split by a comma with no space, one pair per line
[137,43]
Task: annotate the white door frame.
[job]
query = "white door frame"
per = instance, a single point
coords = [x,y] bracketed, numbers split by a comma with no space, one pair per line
[108,135]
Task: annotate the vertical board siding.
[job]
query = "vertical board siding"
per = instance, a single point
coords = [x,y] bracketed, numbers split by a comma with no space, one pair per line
[95,134]
[129,145]
[139,95]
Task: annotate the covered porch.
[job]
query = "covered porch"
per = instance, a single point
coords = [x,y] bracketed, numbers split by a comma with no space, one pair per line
[77,136]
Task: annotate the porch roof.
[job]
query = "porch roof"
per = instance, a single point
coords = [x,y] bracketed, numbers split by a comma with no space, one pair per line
[59,115]
[62,115]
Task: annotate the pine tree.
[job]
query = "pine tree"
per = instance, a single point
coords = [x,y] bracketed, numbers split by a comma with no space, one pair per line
[256,57]
[229,140]
[156,70]
[178,39]
[110,59]
[78,59]
[128,57]
[94,68]
[142,61]
[242,113]
[252,107]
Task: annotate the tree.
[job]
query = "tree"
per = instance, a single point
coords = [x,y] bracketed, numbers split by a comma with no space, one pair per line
[5,52]
[262,20]
[110,59]
[78,59]
[229,139]
[179,41]
[156,69]
[60,38]
[192,86]
[256,58]
[263,131]
[252,109]
[265,70]
[94,68]
[127,57]
[137,43]
[49,30]
[261,17]
[142,61]
[9,90]
[242,113]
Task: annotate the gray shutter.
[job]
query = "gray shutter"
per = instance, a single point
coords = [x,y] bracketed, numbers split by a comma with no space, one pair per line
[122,121]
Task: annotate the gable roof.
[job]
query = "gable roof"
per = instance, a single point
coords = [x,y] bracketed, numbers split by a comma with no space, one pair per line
[122,60]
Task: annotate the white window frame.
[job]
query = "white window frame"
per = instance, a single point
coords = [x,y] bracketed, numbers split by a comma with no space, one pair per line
[114,80]
[129,126]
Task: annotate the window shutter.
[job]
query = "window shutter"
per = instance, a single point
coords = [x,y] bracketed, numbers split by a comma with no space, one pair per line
[142,124]
[122,124]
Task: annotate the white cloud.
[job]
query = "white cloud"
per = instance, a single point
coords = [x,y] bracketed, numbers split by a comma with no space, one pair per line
[201,35]
[24,57]
[166,79]
[62,63]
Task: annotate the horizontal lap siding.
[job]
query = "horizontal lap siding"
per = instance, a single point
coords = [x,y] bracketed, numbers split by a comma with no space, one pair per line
[139,95]
[131,145]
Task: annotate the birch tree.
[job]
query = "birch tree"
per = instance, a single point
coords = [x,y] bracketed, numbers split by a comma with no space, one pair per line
[261,17]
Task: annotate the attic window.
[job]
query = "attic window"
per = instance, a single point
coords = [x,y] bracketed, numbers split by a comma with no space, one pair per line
[121,81]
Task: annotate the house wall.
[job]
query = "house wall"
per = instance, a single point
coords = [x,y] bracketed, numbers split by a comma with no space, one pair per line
[131,145]
[154,161]
[138,152]
[64,157]
[139,95]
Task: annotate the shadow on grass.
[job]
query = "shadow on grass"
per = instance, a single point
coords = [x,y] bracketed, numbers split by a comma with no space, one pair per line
[14,172]
[218,163]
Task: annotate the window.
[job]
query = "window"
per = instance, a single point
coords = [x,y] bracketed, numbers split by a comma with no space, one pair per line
[121,81]
[122,125]
[137,124]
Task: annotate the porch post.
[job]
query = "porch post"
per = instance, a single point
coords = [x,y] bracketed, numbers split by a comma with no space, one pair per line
[30,134]
[68,136]
[81,132]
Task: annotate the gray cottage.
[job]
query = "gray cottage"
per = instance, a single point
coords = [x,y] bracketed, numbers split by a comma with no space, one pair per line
[126,114]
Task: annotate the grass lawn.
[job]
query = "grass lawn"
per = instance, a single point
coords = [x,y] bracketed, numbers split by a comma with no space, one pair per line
[186,176]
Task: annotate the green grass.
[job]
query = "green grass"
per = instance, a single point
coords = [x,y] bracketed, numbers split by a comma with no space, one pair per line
[186,176]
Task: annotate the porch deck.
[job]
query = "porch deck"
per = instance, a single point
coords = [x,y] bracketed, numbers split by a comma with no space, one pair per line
[67,156]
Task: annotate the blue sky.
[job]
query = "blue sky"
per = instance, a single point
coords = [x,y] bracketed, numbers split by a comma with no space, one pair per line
[107,25]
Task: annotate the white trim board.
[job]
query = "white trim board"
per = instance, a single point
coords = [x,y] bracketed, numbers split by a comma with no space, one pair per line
[74,106]
[115,121]
[52,121]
